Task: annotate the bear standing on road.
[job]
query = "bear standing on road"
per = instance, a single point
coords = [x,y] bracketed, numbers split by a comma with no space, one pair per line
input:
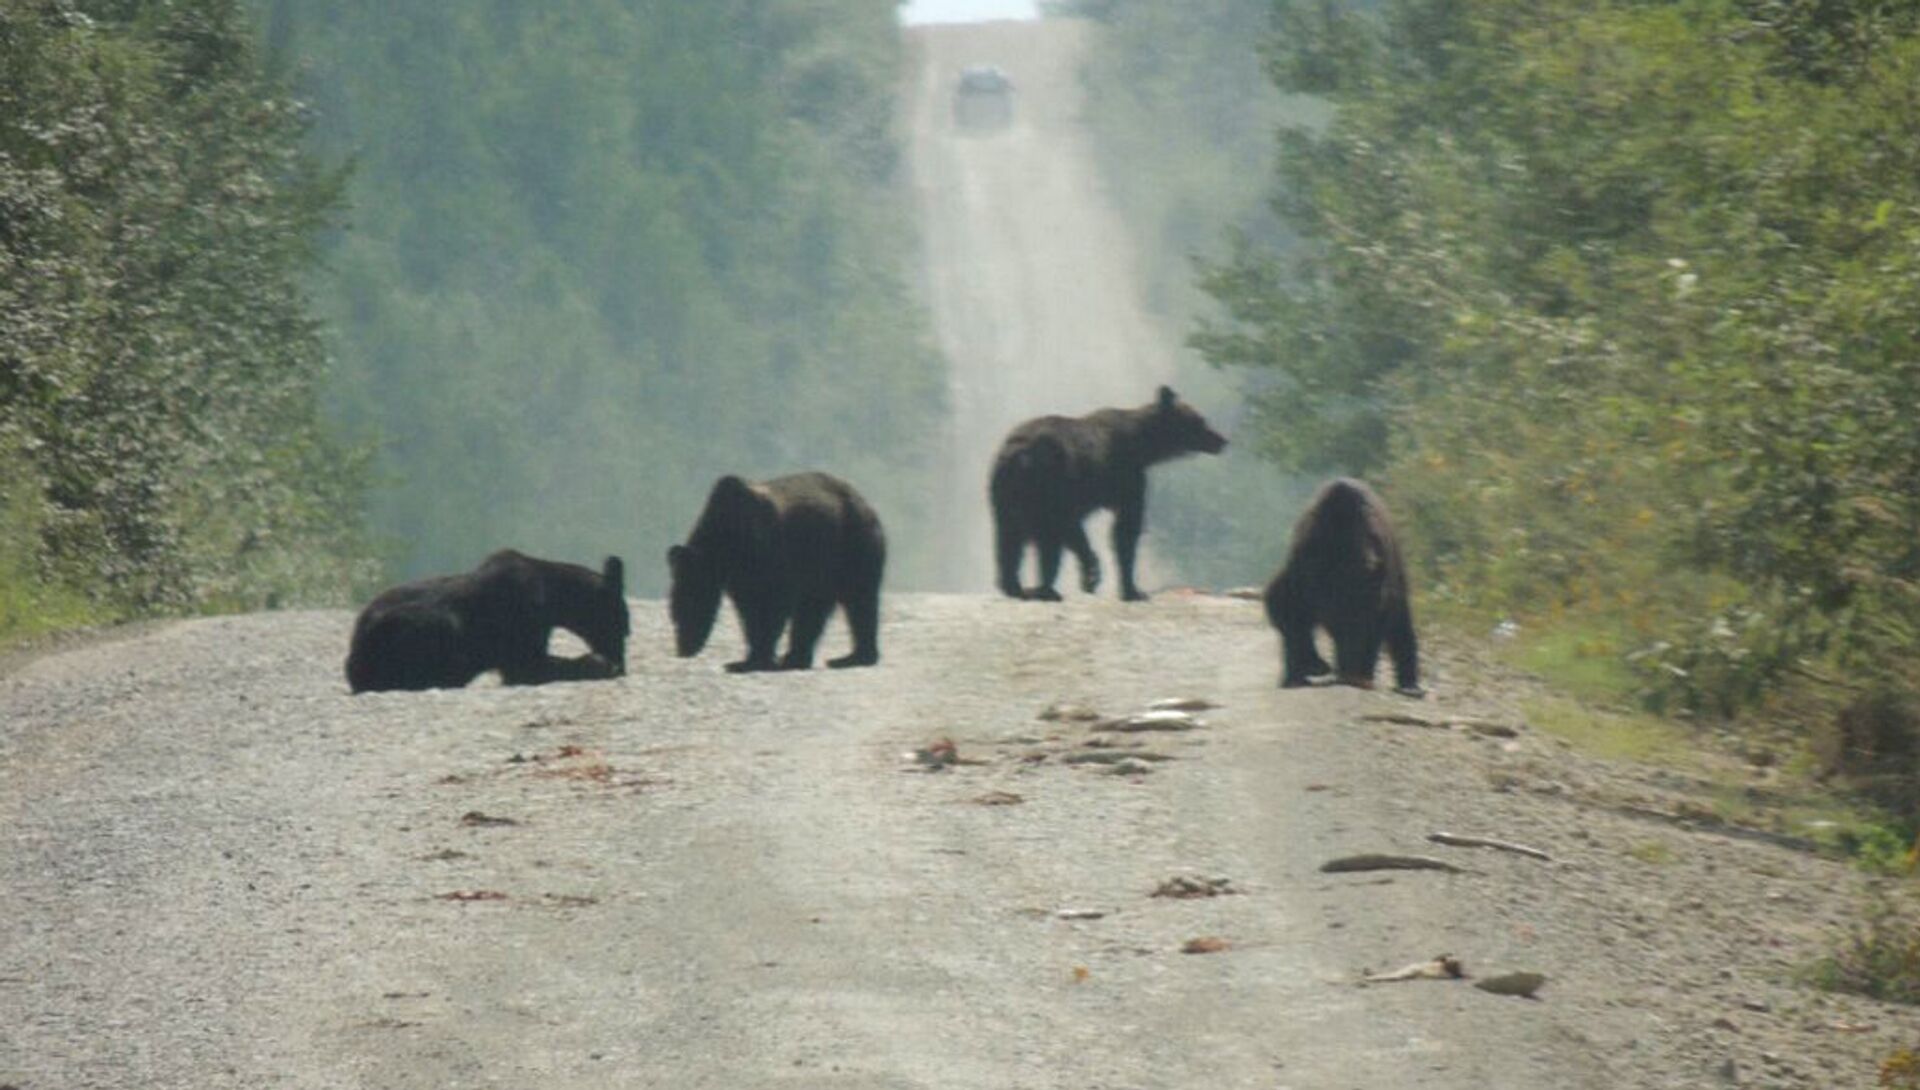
[791,548]
[1054,471]
[1344,573]
[441,633]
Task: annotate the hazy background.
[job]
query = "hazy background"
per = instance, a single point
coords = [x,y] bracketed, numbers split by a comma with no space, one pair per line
[600,253]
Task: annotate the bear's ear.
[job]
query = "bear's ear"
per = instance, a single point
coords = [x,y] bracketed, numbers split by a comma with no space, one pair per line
[1167,398]
[731,487]
[615,574]
[678,557]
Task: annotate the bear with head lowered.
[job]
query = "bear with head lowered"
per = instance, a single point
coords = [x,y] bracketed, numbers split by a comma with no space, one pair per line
[788,552]
[1344,573]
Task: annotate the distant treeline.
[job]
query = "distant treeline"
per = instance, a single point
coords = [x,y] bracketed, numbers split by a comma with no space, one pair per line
[1621,302]
[160,445]
[601,252]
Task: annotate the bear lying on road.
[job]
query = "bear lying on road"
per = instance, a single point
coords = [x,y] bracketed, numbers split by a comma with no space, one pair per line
[1344,573]
[791,548]
[1054,471]
[441,633]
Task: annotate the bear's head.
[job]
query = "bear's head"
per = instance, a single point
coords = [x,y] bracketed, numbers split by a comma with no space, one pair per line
[604,623]
[694,599]
[1175,428]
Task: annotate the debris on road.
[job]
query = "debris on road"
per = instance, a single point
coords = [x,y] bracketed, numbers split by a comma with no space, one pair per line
[1130,767]
[1081,913]
[1485,727]
[1182,704]
[940,756]
[1153,720]
[1205,944]
[1186,886]
[1078,713]
[999,798]
[1521,984]
[1442,967]
[1454,841]
[471,895]
[1111,756]
[1372,861]
[475,818]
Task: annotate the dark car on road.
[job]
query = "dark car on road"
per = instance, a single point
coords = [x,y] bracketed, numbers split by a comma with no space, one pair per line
[983,100]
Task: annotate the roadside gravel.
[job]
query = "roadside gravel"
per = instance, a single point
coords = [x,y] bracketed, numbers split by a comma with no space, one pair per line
[218,869]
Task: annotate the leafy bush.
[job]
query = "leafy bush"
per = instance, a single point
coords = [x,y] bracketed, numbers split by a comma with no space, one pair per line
[158,363]
[1880,959]
[1873,745]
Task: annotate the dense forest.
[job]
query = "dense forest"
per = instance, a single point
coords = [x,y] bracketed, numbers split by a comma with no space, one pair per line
[299,296]
[161,446]
[603,251]
[1620,301]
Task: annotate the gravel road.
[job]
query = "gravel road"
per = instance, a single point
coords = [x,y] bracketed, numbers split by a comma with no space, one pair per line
[1027,269]
[221,870]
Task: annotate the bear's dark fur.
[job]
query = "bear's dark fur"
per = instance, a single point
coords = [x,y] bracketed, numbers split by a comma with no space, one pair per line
[791,548]
[441,633]
[1344,573]
[1054,471]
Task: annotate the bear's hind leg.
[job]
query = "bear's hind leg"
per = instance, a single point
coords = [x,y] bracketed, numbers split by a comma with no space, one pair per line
[809,620]
[863,617]
[1050,545]
[1010,546]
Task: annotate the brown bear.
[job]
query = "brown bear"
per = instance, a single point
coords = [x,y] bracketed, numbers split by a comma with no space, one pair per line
[443,632]
[791,548]
[1344,573]
[1054,471]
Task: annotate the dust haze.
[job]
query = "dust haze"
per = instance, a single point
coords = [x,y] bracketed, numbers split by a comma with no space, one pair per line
[1028,271]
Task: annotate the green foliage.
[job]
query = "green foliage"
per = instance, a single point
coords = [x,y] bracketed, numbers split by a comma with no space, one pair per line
[1619,302]
[158,364]
[1880,848]
[604,251]
[1880,959]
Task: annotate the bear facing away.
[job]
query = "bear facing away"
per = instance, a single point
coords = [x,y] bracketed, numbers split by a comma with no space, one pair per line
[1344,574]
[1054,471]
[443,632]
[788,549]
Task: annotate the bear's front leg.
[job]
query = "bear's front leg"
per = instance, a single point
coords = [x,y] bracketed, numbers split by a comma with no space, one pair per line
[762,623]
[1129,519]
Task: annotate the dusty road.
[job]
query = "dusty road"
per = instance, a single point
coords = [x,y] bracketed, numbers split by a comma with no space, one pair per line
[220,870]
[1027,270]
